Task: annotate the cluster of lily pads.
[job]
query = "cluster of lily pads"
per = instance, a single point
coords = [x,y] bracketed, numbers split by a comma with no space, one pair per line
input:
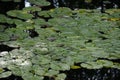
[61,38]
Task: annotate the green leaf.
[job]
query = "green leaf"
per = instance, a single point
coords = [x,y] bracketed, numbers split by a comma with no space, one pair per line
[61,76]
[64,66]
[61,12]
[39,2]
[1,70]
[20,14]
[91,65]
[45,14]
[55,66]
[5,74]
[52,72]
[105,63]
[14,69]
[4,37]
[32,9]
[116,65]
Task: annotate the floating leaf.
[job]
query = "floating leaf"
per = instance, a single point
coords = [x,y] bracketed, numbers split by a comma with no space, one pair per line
[61,76]
[116,65]
[105,63]
[91,65]
[55,66]
[5,74]
[52,72]
[75,67]
[39,2]
[32,9]
[61,12]
[20,14]
[4,37]
[64,66]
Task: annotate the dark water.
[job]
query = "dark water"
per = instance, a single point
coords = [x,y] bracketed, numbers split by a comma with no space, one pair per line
[99,74]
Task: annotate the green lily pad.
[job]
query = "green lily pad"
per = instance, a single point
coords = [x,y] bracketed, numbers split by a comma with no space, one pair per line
[32,9]
[55,66]
[39,22]
[105,63]
[45,14]
[61,76]
[52,72]
[39,2]
[61,12]
[91,65]
[116,65]
[20,14]
[4,19]
[4,37]
[5,74]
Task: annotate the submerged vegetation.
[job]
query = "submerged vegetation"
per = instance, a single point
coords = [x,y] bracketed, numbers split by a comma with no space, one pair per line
[47,42]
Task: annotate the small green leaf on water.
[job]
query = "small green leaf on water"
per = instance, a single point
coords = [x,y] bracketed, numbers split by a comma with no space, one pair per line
[32,9]
[61,76]
[91,65]
[105,63]
[5,74]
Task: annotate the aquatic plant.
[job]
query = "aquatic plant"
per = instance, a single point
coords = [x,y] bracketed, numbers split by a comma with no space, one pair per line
[66,38]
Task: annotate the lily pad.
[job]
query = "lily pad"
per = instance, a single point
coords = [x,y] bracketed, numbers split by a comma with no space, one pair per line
[4,37]
[32,9]
[91,65]
[20,14]
[5,74]
[39,2]
[45,14]
[52,72]
[61,12]
[61,76]
[105,63]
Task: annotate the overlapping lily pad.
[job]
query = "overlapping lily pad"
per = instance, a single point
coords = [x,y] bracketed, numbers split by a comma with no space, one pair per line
[67,38]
